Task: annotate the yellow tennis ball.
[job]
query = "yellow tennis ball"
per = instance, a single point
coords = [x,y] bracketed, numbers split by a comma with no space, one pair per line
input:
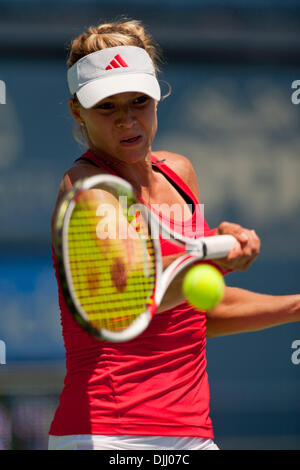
[203,286]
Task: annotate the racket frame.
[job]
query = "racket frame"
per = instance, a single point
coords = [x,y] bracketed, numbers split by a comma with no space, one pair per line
[65,210]
[196,249]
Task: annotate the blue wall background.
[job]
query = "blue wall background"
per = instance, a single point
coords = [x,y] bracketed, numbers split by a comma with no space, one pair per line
[236,122]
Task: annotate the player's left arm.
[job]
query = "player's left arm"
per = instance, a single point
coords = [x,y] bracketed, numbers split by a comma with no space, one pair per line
[244,311]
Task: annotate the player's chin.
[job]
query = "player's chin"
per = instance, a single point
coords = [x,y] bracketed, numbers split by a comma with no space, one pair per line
[133,155]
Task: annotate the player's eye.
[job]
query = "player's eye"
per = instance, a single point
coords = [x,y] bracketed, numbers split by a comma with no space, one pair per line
[141,99]
[107,105]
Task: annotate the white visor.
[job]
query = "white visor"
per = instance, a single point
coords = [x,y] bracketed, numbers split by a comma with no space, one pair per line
[110,71]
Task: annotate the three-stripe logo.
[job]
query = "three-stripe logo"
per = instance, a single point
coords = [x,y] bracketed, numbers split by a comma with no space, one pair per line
[116,63]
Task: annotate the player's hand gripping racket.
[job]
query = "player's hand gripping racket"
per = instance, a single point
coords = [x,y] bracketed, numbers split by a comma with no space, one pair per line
[109,257]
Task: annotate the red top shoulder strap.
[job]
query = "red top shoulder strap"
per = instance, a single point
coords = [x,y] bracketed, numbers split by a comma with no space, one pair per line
[159,163]
[92,158]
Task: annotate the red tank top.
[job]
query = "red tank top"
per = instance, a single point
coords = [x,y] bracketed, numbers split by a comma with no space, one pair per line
[155,384]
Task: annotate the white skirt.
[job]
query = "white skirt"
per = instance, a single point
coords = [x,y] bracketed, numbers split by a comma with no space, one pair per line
[124,442]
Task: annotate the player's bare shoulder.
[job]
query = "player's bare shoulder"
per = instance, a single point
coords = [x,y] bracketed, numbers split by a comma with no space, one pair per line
[174,160]
[79,170]
[183,167]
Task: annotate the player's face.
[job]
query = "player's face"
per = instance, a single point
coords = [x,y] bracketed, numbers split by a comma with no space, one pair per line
[122,126]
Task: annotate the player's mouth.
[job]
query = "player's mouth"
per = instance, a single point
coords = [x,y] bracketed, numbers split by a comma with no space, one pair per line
[131,140]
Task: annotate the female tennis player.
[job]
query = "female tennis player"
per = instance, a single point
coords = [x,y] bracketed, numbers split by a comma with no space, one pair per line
[151,392]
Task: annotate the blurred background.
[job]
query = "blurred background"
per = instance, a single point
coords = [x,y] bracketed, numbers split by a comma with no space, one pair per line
[231,65]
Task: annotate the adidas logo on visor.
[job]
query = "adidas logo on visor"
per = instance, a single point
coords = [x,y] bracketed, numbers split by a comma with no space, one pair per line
[116,63]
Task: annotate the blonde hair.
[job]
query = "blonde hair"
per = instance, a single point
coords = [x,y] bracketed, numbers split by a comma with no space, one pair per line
[117,33]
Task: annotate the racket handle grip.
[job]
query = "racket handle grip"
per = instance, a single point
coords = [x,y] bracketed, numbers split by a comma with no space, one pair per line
[218,246]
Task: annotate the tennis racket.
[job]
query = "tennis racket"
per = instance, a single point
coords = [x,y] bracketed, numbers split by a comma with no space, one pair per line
[109,257]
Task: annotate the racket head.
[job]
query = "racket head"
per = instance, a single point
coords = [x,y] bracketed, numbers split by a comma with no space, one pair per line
[108,287]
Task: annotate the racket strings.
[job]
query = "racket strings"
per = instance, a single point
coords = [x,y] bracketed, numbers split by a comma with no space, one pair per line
[113,280]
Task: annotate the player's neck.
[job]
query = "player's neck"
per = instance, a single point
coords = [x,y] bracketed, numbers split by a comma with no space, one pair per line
[139,173]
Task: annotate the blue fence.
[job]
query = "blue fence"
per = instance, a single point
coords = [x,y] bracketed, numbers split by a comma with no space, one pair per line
[240,128]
